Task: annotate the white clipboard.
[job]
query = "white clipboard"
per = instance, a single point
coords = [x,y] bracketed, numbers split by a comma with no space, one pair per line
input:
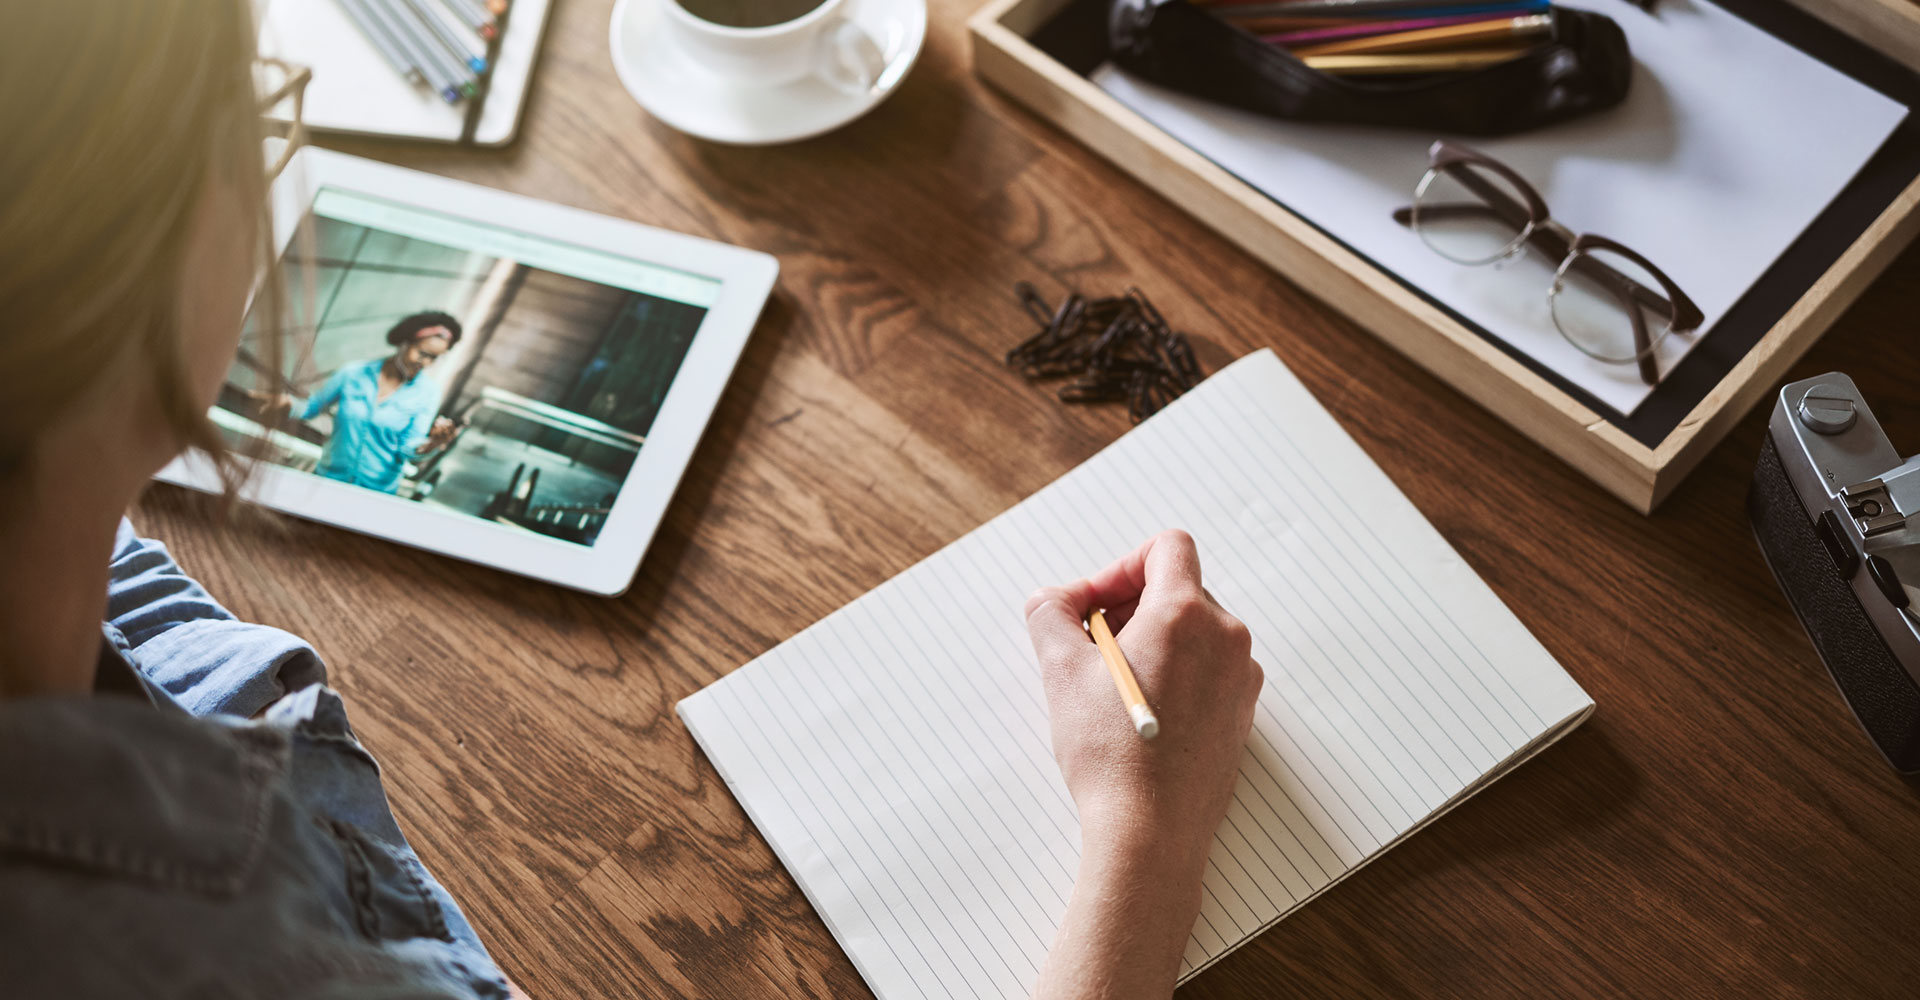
[355,92]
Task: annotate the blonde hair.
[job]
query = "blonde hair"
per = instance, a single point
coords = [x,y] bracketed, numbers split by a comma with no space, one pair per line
[112,115]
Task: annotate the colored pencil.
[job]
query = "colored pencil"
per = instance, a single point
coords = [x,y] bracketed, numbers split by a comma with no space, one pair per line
[1411,62]
[1479,33]
[474,16]
[421,69]
[453,69]
[1365,9]
[389,50]
[1310,36]
[1280,25]
[422,56]
[449,39]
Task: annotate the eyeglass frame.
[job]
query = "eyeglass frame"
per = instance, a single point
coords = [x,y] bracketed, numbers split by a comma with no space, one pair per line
[294,131]
[1536,226]
[294,87]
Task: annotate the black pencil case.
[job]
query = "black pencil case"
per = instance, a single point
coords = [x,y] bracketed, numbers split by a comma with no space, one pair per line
[1584,67]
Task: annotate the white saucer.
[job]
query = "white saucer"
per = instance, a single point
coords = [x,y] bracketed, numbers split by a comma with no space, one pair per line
[697,101]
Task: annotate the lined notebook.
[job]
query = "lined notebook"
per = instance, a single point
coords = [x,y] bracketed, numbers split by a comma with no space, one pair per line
[896,754]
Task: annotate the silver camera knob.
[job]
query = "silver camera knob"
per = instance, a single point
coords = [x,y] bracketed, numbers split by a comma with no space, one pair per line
[1827,409]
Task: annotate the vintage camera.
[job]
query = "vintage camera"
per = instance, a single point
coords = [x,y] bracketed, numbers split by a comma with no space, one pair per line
[1837,513]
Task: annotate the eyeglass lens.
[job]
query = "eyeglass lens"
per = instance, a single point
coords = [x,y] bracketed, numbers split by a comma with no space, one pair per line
[1469,215]
[1602,304]
[1601,301]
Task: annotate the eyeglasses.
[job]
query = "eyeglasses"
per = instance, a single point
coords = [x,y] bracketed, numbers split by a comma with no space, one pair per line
[1472,209]
[278,81]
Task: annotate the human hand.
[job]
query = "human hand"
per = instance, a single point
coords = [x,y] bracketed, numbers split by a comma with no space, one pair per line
[1148,810]
[1193,662]
[440,435]
[272,404]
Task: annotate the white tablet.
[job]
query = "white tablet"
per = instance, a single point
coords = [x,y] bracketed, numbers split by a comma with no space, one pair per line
[483,375]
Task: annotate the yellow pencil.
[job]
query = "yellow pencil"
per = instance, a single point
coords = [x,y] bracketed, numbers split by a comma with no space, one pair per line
[1494,33]
[1143,720]
[1411,62]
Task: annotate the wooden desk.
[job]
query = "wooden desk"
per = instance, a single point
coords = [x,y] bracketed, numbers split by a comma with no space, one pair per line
[1719,828]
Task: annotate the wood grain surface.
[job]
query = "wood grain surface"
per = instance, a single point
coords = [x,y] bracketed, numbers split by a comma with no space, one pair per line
[1719,828]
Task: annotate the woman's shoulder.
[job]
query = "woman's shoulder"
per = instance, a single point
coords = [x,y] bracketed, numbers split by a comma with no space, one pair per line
[356,376]
[424,391]
[365,368]
[178,843]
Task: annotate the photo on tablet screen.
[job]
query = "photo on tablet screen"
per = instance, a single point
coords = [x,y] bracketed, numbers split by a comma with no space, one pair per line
[464,367]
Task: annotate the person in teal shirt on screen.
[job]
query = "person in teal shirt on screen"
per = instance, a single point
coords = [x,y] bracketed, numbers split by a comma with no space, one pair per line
[384,409]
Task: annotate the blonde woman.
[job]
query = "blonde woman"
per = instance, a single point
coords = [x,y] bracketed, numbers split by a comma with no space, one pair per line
[184,811]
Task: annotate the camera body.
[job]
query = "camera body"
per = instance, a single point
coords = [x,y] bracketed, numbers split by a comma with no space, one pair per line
[1836,511]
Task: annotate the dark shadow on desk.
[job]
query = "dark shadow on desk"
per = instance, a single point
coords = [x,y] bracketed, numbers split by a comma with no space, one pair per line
[1333,945]
[710,460]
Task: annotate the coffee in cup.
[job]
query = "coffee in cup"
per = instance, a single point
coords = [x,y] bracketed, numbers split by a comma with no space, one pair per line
[748,13]
[776,42]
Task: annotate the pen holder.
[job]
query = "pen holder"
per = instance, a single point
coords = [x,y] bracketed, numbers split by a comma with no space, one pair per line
[1583,67]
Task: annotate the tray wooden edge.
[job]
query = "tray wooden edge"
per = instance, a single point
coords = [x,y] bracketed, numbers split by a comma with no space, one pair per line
[1640,476]
[1758,373]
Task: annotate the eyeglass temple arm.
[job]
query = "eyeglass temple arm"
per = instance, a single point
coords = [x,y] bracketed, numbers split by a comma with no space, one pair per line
[295,82]
[294,88]
[1642,341]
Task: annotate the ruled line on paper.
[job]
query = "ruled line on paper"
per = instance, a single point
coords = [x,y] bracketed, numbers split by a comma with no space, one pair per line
[1397,575]
[897,753]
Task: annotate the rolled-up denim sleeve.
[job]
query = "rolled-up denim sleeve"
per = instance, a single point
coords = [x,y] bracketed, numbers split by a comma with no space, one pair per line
[183,641]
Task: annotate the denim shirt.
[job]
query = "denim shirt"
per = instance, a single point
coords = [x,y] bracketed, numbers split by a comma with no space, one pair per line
[159,840]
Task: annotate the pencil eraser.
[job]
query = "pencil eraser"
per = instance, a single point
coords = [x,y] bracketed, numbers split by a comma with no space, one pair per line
[1144,722]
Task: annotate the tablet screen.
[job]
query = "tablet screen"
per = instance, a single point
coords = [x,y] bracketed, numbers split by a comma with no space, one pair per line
[464,367]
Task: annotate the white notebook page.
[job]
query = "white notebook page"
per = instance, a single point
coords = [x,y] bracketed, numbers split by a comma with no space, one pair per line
[896,754]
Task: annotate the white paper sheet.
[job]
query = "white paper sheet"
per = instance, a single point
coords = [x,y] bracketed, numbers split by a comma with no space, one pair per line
[896,754]
[1729,144]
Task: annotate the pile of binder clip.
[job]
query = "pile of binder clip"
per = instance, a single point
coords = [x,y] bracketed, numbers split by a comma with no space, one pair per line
[1114,349]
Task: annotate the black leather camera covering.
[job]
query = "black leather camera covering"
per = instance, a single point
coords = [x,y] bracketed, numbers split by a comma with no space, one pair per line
[1881,693]
[1584,68]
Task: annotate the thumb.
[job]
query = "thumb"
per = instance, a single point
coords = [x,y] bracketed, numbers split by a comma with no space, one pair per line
[1054,617]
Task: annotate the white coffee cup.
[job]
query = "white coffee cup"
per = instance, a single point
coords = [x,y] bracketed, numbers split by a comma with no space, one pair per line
[825,42]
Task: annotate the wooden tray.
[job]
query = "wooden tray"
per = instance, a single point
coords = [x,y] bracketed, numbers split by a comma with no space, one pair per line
[1635,472]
